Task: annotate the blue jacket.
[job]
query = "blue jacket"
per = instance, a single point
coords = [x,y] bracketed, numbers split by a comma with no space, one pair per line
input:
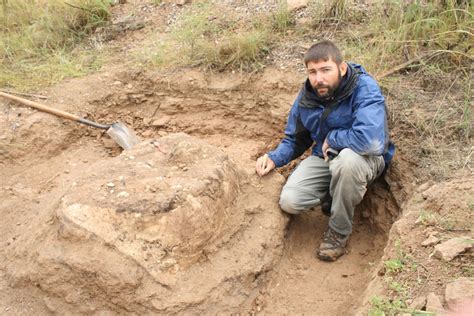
[357,120]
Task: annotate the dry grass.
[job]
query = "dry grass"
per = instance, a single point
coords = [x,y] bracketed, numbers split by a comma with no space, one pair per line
[37,37]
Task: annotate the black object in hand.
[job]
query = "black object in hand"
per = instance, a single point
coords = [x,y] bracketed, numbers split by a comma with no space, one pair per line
[332,153]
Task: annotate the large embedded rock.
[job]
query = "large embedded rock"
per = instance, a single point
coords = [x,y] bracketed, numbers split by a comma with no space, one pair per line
[170,227]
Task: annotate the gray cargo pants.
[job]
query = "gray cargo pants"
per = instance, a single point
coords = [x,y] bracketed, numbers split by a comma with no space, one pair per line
[346,177]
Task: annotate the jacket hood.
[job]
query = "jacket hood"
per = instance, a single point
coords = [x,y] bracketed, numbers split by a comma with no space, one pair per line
[348,84]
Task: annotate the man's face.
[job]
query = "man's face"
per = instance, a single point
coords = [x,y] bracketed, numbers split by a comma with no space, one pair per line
[325,76]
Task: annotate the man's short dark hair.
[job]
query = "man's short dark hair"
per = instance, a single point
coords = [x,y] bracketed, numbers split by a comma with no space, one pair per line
[323,51]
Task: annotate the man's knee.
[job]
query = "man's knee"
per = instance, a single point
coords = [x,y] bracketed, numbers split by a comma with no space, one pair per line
[289,201]
[348,163]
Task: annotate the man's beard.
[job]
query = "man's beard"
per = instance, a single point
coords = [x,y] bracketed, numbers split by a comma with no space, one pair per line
[330,89]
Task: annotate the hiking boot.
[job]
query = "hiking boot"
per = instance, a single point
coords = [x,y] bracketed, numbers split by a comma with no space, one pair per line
[326,204]
[333,245]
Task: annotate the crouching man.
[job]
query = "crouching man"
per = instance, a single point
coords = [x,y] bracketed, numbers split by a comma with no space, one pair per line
[340,109]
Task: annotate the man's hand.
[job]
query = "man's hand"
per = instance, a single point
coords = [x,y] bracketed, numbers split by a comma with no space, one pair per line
[264,165]
[325,150]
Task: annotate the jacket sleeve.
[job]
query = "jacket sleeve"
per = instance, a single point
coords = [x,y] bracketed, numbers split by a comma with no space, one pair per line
[368,134]
[297,139]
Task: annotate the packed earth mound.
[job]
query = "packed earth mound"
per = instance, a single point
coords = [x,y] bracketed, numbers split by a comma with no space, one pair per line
[169,226]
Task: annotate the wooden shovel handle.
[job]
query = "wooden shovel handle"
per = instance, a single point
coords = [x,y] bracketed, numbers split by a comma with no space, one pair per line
[41,107]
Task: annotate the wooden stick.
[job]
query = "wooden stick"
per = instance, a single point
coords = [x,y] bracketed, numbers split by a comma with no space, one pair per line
[25,94]
[402,66]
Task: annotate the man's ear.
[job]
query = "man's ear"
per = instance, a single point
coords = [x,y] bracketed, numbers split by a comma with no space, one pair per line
[343,68]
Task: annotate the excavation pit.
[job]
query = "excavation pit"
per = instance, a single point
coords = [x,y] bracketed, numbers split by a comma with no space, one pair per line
[180,223]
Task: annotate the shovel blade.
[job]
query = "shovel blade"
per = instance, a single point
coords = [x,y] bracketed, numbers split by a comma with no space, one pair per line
[123,135]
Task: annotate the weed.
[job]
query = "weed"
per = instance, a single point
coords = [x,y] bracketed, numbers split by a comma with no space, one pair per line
[428,218]
[322,11]
[282,19]
[394,265]
[382,306]
[400,289]
[244,50]
[400,262]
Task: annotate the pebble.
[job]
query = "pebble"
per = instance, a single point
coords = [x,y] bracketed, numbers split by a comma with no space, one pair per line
[123,194]
[430,241]
[147,133]
[110,185]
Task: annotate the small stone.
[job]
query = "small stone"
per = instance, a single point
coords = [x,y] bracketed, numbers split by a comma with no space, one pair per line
[123,194]
[431,241]
[110,184]
[450,249]
[147,133]
[131,157]
[162,121]
[433,304]
[418,303]
[117,83]
[459,293]
[129,86]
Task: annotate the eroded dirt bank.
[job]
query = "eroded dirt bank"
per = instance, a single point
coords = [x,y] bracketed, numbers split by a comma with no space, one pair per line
[188,229]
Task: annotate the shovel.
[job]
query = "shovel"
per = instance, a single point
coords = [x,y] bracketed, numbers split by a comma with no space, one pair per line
[120,133]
